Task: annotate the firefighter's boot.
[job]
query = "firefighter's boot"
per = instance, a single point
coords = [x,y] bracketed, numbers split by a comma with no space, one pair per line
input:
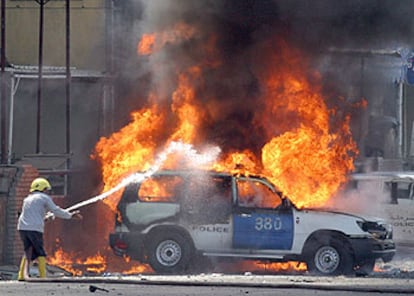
[23,269]
[41,265]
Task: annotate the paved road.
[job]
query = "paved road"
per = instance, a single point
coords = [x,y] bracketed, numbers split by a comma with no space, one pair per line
[395,278]
[211,285]
[66,289]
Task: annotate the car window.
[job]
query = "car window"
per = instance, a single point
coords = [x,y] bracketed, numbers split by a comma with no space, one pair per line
[255,194]
[209,187]
[161,189]
[208,198]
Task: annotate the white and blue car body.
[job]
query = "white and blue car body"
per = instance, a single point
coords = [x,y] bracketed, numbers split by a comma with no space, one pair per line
[173,218]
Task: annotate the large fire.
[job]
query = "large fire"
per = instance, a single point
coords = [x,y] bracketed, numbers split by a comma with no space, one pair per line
[303,154]
[302,146]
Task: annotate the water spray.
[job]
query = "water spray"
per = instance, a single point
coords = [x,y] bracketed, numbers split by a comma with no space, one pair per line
[197,160]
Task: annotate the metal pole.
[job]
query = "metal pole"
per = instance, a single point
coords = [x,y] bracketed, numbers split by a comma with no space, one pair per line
[68,85]
[3,83]
[108,90]
[40,72]
[362,77]
[68,76]
[400,119]
[39,81]
[11,120]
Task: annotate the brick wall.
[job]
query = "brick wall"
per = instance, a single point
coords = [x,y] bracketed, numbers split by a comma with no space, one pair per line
[7,176]
[20,186]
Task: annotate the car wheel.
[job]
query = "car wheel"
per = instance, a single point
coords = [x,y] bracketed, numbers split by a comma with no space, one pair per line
[329,257]
[169,252]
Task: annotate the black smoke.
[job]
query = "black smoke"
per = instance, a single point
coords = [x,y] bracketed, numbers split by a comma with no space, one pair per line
[316,27]
[355,23]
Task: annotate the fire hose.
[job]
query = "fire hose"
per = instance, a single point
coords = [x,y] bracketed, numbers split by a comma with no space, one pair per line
[186,150]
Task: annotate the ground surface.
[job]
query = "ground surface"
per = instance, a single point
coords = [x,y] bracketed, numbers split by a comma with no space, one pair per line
[392,278]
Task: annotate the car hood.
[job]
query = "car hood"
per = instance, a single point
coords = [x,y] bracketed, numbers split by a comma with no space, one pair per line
[365,217]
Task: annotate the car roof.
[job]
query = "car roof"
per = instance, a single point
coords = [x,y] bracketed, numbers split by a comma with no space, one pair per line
[186,172]
[195,172]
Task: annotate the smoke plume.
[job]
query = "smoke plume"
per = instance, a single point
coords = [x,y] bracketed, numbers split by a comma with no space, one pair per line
[231,38]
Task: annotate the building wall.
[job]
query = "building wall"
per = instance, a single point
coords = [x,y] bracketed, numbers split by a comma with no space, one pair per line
[88,51]
[87,33]
[20,178]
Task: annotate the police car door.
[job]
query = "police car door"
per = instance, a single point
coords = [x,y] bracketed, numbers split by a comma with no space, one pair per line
[259,220]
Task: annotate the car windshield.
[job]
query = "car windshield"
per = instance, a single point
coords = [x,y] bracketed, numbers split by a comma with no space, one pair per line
[256,193]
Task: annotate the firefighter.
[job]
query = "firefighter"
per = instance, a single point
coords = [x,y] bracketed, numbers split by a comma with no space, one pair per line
[31,225]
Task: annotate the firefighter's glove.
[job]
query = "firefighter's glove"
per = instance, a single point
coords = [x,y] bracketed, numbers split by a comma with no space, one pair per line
[76,215]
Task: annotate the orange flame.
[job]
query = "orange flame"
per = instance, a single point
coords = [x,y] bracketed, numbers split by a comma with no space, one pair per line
[309,160]
[184,107]
[146,45]
[151,43]
[69,261]
[243,162]
[282,266]
[77,265]
[260,267]
[63,260]
[322,163]
[138,149]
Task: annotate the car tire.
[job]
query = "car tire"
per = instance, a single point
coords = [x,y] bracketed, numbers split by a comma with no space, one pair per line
[329,256]
[169,252]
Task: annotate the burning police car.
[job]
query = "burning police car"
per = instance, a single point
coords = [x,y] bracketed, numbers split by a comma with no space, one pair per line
[173,217]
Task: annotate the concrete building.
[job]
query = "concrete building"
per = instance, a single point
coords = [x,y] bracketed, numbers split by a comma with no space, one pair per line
[32,151]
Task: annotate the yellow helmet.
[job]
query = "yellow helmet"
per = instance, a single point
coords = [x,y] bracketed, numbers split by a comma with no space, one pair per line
[40,184]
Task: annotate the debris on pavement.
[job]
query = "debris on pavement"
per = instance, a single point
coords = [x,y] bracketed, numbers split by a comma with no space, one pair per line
[92,289]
